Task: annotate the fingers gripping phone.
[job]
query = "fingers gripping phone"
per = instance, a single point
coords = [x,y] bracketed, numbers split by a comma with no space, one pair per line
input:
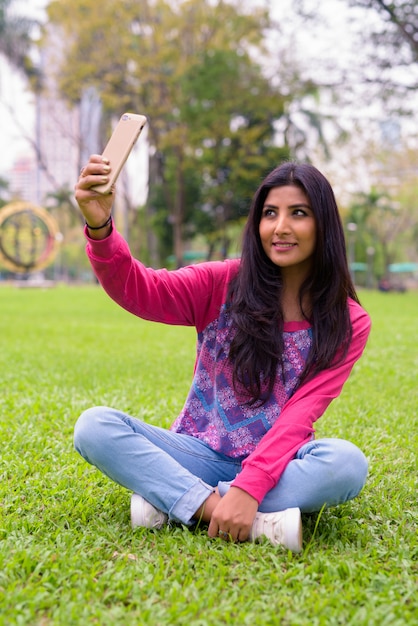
[120,145]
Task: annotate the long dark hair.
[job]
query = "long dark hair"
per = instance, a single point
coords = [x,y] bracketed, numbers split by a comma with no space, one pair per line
[254,296]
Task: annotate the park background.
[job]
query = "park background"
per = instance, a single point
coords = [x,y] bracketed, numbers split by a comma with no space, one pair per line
[229,89]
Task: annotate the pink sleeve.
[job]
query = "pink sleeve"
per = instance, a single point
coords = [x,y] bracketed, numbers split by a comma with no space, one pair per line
[190,296]
[262,469]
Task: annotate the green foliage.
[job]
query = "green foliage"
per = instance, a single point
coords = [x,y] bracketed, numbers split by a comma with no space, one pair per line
[4,192]
[67,553]
[387,223]
[194,219]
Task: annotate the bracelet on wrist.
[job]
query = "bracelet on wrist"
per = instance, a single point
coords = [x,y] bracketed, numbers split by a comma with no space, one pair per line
[107,222]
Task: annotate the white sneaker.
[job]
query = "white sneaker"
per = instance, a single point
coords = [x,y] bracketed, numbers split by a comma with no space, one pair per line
[280,527]
[144,514]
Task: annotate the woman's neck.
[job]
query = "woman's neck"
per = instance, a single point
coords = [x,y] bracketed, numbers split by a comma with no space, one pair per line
[290,302]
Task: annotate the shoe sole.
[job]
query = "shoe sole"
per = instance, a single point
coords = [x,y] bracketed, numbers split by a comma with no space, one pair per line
[293,534]
[137,511]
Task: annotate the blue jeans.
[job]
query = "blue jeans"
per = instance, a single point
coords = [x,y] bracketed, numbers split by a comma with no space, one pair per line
[177,473]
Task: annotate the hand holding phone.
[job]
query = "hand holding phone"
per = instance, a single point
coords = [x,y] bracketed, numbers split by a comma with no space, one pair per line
[120,145]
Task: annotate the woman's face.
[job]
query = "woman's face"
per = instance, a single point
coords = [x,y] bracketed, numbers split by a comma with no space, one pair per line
[288,228]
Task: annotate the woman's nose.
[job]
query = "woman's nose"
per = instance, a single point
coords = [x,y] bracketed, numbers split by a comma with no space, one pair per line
[281,225]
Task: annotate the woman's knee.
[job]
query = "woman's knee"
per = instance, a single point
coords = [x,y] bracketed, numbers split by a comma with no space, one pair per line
[351,465]
[360,468]
[87,430]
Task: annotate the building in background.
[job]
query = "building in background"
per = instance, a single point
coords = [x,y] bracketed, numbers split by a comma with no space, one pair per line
[23,178]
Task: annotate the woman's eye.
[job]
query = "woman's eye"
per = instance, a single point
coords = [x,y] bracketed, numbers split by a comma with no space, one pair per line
[268,212]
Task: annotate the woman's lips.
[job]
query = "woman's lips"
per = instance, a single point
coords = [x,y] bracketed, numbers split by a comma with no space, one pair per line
[281,245]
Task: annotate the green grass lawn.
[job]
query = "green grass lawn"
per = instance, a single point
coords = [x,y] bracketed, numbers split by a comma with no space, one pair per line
[67,552]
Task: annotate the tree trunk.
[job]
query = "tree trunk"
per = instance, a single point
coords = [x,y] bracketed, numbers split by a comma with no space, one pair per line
[153,177]
[179,212]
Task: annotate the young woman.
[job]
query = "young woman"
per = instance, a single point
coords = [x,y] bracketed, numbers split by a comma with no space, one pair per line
[278,334]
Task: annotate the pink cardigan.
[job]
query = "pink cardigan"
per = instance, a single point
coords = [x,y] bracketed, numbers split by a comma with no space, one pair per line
[195,296]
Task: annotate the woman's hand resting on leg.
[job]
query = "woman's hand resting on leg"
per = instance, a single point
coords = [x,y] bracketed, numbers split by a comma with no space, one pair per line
[233,516]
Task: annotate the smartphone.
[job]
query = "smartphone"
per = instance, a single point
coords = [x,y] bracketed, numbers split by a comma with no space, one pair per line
[120,145]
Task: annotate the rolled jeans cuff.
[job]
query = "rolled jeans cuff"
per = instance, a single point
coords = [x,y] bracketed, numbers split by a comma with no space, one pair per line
[186,506]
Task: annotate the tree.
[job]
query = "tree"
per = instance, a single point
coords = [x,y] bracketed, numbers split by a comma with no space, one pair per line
[187,66]
[400,18]
[391,47]
[231,138]
[382,62]
[15,39]
[386,216]
[377,219]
